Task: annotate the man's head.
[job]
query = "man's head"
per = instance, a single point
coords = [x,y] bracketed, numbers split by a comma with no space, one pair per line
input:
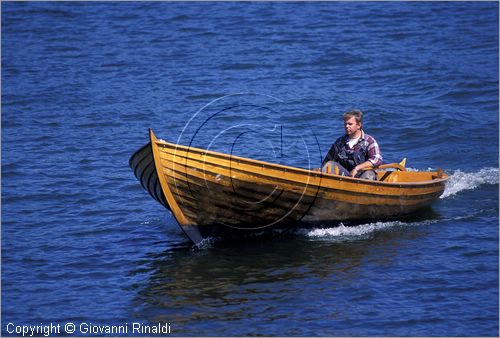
[353,122]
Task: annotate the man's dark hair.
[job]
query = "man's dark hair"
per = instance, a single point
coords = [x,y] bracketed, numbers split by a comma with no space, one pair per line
[356,113]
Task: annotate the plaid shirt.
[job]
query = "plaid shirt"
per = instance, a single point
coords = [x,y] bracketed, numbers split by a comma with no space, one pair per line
[372,149]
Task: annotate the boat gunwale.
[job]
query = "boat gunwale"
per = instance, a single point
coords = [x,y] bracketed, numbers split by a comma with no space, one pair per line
[308,172]
[394,185]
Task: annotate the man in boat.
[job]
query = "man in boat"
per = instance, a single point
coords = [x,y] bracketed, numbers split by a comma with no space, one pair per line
[354,151]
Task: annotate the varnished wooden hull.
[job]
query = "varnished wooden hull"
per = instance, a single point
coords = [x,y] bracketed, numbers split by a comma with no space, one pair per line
[142,164]
[208,191]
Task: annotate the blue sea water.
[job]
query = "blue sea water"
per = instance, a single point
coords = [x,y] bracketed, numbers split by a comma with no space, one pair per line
[83,243]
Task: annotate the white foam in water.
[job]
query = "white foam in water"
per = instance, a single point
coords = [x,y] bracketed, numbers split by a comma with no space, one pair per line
[460,181]
[343,232]
[206,243]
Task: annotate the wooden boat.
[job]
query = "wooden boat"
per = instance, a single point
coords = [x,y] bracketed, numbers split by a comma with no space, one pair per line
[211,193]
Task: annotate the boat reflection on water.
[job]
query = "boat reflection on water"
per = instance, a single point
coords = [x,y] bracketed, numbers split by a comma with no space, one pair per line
[295,280]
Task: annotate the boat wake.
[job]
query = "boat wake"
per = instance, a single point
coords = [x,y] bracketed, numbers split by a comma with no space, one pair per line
[460,181]
[344,233]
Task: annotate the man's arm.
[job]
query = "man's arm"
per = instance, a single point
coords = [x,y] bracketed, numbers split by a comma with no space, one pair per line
[330,156]
[360,167]
[374,155]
